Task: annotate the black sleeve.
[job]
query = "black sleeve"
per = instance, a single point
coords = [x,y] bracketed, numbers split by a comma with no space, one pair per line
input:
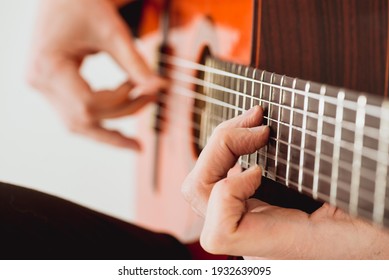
[34,225]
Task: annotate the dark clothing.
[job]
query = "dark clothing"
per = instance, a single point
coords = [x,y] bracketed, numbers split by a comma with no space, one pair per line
[34,225]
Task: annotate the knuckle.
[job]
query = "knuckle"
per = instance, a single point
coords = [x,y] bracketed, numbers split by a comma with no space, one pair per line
[221,128]
[223,136]
[223,189]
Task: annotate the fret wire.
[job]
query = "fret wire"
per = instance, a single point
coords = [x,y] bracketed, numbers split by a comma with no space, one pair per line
[215,79]
[269,110]
[232,96]
[336,149]
[261,99]
[368,152]
[238,99]
[290,130]
[381,170]
[214,95]
[367,174]
[245,98]
[348,104]
[346,124]
[278,125]
[252,105]
[225,82]
[357,155]
[304,126]
[318,142]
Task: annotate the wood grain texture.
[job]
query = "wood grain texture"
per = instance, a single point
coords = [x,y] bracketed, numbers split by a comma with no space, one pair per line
[341,43]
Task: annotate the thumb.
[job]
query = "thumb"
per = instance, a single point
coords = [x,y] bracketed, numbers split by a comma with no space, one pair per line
[226,207]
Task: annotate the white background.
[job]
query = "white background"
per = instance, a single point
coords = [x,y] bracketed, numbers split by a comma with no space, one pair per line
[280,270]
[36,150]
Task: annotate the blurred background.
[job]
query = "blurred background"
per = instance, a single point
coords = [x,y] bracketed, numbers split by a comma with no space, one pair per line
[36,151]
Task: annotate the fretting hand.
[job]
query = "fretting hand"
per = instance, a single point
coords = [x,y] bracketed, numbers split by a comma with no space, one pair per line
[235,224]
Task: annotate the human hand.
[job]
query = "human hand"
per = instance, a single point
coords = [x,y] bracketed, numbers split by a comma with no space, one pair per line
[66,32]
[235,224]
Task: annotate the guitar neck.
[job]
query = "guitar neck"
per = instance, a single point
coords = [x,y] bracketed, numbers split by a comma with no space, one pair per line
[329,143]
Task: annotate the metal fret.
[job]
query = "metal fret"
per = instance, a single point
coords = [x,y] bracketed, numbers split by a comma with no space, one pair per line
[225,96]
[245,89]
[316,176]
[382,169]
[237,98]
[232,96]
[290,133]
[269,118]
[246,70]
[336,149]
[252,105]
[357,157]
[262,158]
[278,126]
[238,105]
[304,127]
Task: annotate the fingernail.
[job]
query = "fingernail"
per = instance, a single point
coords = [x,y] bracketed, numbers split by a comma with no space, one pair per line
[251,111]
[255,167]
[259,129]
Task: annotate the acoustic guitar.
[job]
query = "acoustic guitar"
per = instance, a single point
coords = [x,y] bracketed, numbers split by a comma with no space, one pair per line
[329,126]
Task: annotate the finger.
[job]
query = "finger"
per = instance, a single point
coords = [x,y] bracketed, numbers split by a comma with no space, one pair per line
[217,159]
[221,154]
[111,98]
[111,137]
[225,147]
[127,108]
[250,118]
[226,207]
[153,86]
[232,219]
[237,169]
[122,48]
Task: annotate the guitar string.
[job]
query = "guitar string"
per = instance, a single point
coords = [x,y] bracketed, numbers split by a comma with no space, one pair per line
[371,110]
[370,132]
[350,126]
[342,185]
[369,107]
[182,123]
[346,145]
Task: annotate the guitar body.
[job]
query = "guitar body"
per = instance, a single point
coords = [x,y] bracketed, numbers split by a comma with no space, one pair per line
[341,43]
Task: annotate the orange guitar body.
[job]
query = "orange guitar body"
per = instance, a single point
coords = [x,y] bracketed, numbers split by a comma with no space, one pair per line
[342,43]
